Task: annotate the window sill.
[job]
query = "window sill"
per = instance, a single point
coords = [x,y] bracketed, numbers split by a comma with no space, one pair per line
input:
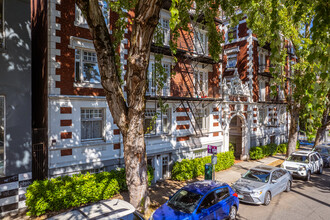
[87,85]
[81,25]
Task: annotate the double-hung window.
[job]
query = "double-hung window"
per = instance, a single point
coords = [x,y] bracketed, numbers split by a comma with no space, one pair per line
[232,34]
[80,19]
[2,24]
[231,61]
[201,83]
[92,122]
[262,91]
[201,42]
[2,135]
[149,121]
[262,62]
[262,115]
[165,29]
[152,78]
[86,67]
[201,118]
[166,121]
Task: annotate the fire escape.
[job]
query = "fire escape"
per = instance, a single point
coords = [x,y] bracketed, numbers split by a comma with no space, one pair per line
[191,54]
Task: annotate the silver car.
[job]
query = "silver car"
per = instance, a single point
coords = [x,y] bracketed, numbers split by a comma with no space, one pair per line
[260,184]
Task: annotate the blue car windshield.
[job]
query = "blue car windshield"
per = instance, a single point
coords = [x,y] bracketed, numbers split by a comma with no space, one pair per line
[257,175]
[184,201]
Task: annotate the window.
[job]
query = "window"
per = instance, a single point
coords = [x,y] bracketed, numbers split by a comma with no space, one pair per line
[282,116]
[231,61]
[232,34]
[2,24]
[262,62]
[80,19]
[209,201]
[262,91]
[152,83]
[262,115]
[149,121]
[159,125]
[2,135]
[201,42]
[92,124]
[222,193]
[86,67]
[166,121]
[201,83]
[165,29]
[201,119]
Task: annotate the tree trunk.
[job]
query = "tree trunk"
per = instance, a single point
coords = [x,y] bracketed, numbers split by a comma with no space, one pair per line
[129,116]
[322,129]
[293,131]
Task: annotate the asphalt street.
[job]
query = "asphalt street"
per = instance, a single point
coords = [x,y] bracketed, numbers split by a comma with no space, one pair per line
[307,200]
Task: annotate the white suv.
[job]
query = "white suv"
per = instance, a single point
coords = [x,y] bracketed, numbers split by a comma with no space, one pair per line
[303,164]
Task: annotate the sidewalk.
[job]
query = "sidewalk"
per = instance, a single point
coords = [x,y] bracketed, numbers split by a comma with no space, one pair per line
[160,192]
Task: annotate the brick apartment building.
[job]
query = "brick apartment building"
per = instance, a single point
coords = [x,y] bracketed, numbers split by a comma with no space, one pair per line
[209,103]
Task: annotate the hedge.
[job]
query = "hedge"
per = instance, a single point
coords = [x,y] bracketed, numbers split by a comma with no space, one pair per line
[72,191]
[191,168]
[260,152]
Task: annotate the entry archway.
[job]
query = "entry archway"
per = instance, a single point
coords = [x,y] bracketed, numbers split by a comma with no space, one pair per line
[236,135]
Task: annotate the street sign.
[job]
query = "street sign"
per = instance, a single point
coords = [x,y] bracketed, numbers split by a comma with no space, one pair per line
[211,149]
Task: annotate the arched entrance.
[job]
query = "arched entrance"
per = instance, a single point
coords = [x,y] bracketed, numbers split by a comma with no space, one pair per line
[235,136]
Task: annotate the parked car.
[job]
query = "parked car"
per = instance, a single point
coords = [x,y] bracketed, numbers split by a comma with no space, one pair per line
[200,200]
[303,164]
[105,209]
[324,151]
[260,184]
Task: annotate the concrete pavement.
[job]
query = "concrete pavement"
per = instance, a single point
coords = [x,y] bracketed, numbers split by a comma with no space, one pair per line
[234,173]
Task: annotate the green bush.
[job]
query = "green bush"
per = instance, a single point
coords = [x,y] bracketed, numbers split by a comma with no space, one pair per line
[188,169]
[260,152]
[297,145]
[66,192]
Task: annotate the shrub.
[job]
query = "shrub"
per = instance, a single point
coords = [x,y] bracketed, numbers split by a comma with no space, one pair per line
[66,192]
[297,144]
[191,168]
[267,150]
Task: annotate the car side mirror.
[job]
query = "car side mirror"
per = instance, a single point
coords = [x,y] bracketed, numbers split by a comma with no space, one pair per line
[274,181]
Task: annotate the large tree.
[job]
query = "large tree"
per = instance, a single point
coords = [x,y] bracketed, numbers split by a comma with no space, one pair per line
[142,17]
[304,25]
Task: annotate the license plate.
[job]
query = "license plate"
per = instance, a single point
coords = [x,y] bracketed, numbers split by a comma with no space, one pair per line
[240,196]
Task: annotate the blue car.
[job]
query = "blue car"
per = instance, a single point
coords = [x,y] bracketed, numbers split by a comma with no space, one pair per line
[200,200]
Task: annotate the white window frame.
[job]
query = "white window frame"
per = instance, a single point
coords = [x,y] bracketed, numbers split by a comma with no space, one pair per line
[2,24]
[81,21]
[231,29]
[201,41]
[79,77]
[204,113]
[262,90]
[152,88]
[231,65]
[102,124]
[149,114]
[201,80]
[3,173]
[168,116]
[165,29]
[262,113]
